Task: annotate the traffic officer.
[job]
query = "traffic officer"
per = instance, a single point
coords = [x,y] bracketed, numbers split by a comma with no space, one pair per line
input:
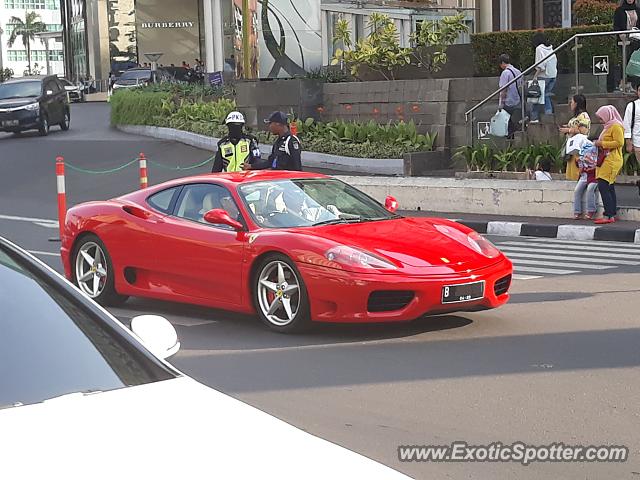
[286,151]
[236,149]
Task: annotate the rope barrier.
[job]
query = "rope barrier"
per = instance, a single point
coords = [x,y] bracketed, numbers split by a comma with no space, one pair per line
[174,168]
[178,167]
[100,172]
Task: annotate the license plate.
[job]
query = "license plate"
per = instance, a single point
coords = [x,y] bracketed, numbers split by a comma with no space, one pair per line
[466,292]
[10,123]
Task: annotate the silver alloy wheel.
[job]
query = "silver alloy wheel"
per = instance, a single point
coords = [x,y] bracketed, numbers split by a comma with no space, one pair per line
[91,269]
[66,120]
[45,124]
[279,293]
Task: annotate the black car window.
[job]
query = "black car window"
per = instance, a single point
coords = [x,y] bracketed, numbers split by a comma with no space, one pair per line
[53,344]
[20,89]
[163,201]
[136,75]
[197,199]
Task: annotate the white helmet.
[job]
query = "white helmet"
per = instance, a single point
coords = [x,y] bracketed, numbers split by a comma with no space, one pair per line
[235,117]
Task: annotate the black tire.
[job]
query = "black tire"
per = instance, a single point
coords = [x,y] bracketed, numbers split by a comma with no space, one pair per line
[108,295]
[43,129]
[66,122]
[302,316]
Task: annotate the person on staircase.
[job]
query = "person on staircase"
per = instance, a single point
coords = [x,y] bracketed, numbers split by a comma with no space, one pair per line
[610,160]
[546,72]
[510,98]
[580,123]
[625,17]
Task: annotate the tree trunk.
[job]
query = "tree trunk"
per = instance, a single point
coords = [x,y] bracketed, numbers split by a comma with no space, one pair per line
[27,44]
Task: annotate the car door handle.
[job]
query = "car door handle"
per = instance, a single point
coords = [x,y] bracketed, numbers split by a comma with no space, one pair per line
[137,212]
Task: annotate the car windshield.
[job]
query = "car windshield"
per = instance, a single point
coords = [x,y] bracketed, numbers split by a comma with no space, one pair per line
[136,75]
[20,89]
[309,202]
[53,344]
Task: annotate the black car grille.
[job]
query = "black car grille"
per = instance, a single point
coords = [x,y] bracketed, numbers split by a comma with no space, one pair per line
[389,300]
[502,286]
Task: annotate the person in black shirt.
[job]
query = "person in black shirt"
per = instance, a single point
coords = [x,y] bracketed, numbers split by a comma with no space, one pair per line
[286,151]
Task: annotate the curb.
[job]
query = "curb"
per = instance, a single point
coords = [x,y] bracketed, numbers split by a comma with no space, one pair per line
[563,232]
[379,166]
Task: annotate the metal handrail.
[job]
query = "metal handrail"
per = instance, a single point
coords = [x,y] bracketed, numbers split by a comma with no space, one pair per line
[574,39]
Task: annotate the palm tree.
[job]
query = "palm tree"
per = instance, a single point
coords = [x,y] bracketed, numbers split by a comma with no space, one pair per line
[27,30]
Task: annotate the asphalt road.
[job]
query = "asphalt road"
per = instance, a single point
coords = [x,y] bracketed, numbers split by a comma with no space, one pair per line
[559,363]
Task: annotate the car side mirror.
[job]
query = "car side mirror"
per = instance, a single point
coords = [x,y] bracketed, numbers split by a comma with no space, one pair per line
[391,204]
[156,334]
[217,216]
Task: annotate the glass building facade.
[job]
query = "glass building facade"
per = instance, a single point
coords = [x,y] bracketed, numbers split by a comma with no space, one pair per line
[280,38]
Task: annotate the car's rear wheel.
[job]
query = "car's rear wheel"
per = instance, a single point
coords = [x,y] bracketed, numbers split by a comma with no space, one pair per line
[280,295]
[66,121]
[43,129]
[94,273]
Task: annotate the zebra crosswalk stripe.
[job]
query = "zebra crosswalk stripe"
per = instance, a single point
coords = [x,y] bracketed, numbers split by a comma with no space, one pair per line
[544,263]
[554,271]
[565,252]
[517,255]
[517,276]
[588,249]
[535,257]
[590,243]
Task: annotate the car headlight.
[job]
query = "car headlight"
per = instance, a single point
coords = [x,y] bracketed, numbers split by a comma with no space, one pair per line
[32,106]
[473,240]
[352,257]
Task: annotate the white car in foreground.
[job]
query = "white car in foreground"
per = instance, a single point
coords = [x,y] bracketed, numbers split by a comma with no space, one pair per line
[82,398]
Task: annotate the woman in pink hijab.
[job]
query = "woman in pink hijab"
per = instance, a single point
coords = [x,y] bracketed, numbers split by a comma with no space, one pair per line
[611,141]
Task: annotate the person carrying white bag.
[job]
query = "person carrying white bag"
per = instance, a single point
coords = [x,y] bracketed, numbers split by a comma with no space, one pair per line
[510,98]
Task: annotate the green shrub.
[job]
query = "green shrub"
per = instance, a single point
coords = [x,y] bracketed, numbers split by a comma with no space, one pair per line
[487,157]
[137,107]
[518,44]
[403,136]
[593,12]
[157,107]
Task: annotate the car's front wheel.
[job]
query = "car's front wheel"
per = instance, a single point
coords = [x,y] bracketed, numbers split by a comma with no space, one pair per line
[93,271]
[66,121]
[280,295]
[43,129]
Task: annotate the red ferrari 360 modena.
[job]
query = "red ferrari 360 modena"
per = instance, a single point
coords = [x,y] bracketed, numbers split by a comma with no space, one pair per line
[293,247]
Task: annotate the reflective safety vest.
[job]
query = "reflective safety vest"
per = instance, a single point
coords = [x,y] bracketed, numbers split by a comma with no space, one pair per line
[233,156]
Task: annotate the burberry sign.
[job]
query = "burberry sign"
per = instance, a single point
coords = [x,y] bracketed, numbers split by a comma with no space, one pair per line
[184,24]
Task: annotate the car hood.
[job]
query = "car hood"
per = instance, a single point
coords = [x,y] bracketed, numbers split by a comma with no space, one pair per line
[413,242]
[166,430]
[17,102]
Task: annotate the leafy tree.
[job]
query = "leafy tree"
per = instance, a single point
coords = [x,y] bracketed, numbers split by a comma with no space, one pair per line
[434,37]
[381,50]
[5,74]
[27,30]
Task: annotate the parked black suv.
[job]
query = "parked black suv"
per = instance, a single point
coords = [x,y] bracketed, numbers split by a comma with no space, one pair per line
[33,103]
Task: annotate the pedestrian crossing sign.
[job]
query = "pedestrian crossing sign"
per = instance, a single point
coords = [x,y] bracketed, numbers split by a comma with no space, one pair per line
[601,65]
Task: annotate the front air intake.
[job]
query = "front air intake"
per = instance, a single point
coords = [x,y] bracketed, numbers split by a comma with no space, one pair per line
[502,286]
[389,300]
